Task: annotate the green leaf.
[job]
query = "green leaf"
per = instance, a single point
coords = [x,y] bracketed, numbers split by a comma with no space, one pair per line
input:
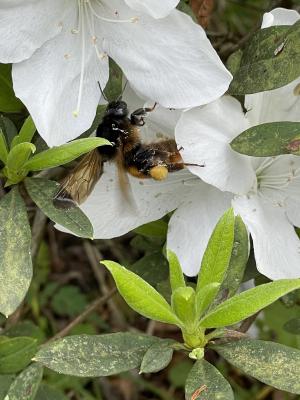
[204,297]
[153,229]
[16,354]
[205,382]
[3,147]
[69,300]
[42,192]
[26,133]
[26,385]
[15,271]
[18,156]
[5,382]
[270,51]
[183,304]
[269,139]
[63,154]
[157,357]
[176,274]
[217,254]
[9,103]
[140,296]
[25,328]
[293,326]
[101,355]
[272,363]
[238,261]
[8,128]
[234,61]
[248,303]
[113,89]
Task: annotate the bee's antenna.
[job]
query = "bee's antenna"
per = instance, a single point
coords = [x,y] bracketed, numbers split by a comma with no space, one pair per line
[124,87]
[103,94]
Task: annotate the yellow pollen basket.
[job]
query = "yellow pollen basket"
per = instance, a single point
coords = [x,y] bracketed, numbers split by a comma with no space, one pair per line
[159,173]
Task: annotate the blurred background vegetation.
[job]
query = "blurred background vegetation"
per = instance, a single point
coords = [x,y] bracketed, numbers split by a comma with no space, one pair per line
[68,279]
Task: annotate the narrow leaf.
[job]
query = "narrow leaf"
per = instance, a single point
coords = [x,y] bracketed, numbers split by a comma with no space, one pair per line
[26,385]
[157,357]
[15,272]
[140,296]
[153,229]
[204,297]
[183,304]
[272,363]
[90,355]
[63,154]
[42,192]
[16,354]
[269,139]
[176,275]
[218,252]
[269,52]
[26,133]
[248,303]
[18,155]
[205,382]
[3,147]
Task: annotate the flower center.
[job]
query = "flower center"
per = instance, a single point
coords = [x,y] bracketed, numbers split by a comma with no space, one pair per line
[274,177]
[91,12]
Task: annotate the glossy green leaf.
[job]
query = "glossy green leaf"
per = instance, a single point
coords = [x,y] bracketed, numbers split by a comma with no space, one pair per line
[63,154]
[218,252]
[26,133]
[183,304]
[16,354]
[9,103]
[157,357]
[101,355]
[272,363]
[205,382]
[248,303]
[176,274]
[269,52]
[270,139]
[42,192]
[5,382]
[16,159]
[140,296]
[26,385]
[205,296]
[15,248]
[153,229]
[238,261]
[3,147]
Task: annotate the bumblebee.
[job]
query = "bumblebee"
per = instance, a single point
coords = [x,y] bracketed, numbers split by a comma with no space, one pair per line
[153,160]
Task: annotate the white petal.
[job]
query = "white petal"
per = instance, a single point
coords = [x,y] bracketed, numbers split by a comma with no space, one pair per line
[170,61]
[111,216]
[280,16]
[155,8]
[204,133]
[282,104]
[27,24]
[276,245]
[191,225]
[54,75]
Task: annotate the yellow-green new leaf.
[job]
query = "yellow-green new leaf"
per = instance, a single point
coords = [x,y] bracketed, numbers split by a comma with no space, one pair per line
[176,275]
[140,296]
[247,303]
[63,154]
[26,133]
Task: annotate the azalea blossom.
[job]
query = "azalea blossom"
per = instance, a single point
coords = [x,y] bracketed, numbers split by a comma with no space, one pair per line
[266,190]
[182,191]
[60,51]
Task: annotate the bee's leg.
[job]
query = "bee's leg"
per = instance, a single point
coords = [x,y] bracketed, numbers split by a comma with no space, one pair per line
[137,117]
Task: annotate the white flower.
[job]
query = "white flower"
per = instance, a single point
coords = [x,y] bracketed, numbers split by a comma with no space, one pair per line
[194,202]
[60,50]
[267,190]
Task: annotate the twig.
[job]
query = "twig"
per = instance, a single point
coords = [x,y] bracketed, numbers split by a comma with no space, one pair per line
[245,325]
[91,308]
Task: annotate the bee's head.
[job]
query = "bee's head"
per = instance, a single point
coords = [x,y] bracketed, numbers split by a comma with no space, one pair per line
[117,109]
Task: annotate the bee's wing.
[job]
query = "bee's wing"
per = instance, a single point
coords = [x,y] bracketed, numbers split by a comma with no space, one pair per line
[124,180]
[77,186]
